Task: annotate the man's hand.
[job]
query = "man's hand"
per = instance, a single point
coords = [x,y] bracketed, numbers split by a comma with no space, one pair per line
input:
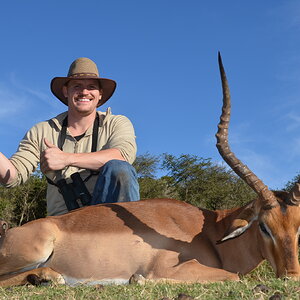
[7,170]
[53,159]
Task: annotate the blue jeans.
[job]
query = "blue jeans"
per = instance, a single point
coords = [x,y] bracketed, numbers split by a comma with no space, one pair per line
[117,182]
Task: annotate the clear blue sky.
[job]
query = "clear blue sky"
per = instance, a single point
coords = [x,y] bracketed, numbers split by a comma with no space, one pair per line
[163,55]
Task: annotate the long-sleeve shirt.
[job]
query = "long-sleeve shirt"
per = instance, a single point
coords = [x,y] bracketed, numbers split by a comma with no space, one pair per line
[115,131]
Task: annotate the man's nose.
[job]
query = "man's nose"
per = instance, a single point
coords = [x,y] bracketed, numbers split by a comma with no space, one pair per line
[84,91]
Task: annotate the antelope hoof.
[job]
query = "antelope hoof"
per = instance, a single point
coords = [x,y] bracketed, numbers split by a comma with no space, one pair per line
[60,280]
[36,280]
[137,279]
[3,228]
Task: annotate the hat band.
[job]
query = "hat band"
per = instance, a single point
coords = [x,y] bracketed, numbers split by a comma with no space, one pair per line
[84,75]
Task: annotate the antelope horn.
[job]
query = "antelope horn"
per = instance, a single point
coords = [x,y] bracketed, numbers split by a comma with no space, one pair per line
[222,144]
[294,194]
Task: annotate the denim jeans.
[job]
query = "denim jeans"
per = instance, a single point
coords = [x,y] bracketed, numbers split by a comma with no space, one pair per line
[117,182]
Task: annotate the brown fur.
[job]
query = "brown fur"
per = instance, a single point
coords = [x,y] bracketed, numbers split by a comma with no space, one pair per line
[158,238]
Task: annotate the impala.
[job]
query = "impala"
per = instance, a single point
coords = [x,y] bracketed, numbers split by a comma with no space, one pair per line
[160,239]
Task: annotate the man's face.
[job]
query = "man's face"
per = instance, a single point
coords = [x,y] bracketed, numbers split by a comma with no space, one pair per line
[83,95]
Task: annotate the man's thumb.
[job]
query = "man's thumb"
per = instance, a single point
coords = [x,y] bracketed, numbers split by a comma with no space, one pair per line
[48,144]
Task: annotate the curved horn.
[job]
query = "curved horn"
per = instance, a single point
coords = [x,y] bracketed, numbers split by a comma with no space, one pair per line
[294,194]
[222,144]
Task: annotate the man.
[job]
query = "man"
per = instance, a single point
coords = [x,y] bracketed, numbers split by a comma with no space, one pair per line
[85,154]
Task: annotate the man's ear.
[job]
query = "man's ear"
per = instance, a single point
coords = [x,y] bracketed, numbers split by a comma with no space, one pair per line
[65,91]
[101,93]
[100,96]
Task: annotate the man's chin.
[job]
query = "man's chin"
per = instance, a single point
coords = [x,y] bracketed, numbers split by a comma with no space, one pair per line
[84,111]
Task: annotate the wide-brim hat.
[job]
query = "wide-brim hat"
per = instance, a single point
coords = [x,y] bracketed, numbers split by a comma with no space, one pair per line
[83,68]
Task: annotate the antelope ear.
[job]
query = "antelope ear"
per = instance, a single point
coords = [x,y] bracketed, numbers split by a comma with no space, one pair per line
[240,224]
[237,227]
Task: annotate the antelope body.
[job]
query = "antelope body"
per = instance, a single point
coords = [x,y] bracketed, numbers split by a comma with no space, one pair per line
[161,239]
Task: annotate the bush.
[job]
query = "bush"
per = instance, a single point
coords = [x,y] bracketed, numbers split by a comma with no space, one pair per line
[24,203]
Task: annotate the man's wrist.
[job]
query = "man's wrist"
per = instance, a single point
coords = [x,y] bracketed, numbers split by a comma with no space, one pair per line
[70,159]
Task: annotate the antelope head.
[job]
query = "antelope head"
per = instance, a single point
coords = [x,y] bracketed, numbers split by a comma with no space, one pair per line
[277,214]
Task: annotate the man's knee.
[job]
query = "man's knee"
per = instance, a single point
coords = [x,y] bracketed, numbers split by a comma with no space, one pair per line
[119,169]
[117,182]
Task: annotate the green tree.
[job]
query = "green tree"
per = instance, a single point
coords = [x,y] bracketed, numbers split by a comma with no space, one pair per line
[203,183]
[24,203]
[292,182]
[147,167]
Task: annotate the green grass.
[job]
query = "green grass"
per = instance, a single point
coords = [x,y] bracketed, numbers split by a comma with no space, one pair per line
[244,289]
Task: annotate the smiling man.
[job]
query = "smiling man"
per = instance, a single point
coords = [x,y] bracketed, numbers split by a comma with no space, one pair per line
[85,154]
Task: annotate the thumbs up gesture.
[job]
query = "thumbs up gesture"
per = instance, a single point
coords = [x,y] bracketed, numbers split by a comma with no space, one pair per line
[48,144]
[52,159]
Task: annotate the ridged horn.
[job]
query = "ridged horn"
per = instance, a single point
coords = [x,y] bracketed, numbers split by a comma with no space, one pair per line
[229,157]
[294,194]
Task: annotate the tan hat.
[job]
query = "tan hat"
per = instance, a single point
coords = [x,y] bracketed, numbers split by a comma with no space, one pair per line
[83,68]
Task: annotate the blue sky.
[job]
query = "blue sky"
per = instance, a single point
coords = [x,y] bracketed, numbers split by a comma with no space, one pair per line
[163,55]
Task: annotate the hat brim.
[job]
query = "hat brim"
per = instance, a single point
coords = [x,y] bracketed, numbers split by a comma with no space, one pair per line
[108,87]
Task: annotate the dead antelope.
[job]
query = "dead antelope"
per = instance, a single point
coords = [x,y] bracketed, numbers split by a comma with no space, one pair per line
[161,239]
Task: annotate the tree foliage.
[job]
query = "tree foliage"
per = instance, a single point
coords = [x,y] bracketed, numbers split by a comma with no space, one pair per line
[292,182]
[24,203]
[193,179]
[203,183]
[146,165]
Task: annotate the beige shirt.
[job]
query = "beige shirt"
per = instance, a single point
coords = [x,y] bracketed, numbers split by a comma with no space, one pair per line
[115,131]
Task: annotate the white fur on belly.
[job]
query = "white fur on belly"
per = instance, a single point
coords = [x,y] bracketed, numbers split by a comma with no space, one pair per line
[76,281]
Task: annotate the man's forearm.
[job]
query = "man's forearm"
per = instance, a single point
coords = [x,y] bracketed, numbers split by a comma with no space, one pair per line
[53,159]
[94,160]
[7,170]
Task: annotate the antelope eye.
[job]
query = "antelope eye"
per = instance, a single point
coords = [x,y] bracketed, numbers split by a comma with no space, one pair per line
[263,229]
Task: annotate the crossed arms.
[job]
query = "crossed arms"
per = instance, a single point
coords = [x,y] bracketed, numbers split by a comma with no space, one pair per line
[53,159]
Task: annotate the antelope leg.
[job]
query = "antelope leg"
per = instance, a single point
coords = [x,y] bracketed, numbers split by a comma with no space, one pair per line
[43,274]
[193,271]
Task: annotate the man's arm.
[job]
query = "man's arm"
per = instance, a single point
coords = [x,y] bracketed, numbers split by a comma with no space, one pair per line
[7,170]
[53,159]
[120,145]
